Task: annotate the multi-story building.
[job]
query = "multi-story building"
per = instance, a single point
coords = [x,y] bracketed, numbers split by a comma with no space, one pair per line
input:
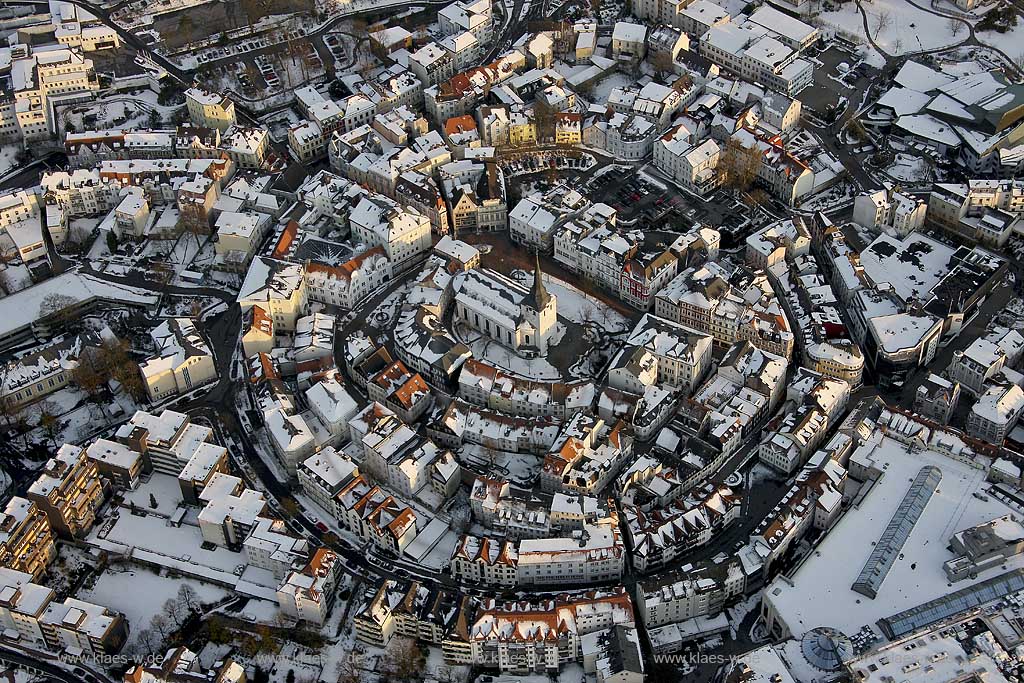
[308,594]
[485,560]
[78,627]
[183,361]
[596,557]
[39,75]
[996,413]
[208,109]
[691,165]
[522,637]
[68,491]
[404,234]
[974,366]
[348,284]
[704,590]
[271,546]
[889,209]
[181,665]
[26,538]
[231,511]
[659,536]
[476,196]
[936,399]
[74,626]
[323,475]
[278,288]
[755,54]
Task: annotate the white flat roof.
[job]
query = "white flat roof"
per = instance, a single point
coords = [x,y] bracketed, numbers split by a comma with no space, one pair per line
[819,593]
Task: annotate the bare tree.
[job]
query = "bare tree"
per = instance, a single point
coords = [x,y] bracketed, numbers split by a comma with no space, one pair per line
[461,512]
[88,377]
[121,367]
[187,596]
[58,307]
[857,130]
[403,658]
[162,625]
[883,20]
[49,421]
[175,611]
[148,640]
[897,45]
[955,26]
[348,671]
[661,60]
[11,412]
[186,28]
[738,165]
[192,219]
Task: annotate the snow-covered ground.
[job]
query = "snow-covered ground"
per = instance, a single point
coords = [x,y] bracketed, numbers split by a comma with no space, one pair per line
[604,87]
[896,26]
[127,109]
[140,594]
[1011,42]
[8,154]
[910,169]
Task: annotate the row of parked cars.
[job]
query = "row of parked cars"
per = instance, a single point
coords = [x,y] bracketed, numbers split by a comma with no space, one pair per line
[535,163]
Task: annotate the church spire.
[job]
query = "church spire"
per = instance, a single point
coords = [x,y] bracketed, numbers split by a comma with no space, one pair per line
[539,294]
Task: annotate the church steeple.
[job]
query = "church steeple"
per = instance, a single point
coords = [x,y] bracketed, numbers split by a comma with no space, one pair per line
[539,297]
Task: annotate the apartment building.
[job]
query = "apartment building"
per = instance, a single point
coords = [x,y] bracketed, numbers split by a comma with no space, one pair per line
[594,555]
[996,413]
[32,612]
[936,399]
[404,234]
[278,288]
[231,511]
[181,665]
[308,594]
[703,590]
[691,165]
[524,637]
[37,75]
[68,491]
[208,109]
[271,546]
[76,627]
[26,538]
[883,209]
[485,560]
[976,365]
[183,361]
[323,475]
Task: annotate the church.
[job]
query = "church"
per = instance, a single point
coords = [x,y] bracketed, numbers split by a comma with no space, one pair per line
[520,318]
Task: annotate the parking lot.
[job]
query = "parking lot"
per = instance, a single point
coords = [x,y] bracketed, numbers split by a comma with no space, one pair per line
[841,75]
[652,205]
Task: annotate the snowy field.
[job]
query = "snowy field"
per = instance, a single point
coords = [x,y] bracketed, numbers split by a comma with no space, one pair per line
[896,26]
[140,594]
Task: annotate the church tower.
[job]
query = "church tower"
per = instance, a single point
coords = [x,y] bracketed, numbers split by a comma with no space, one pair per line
[539,311]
